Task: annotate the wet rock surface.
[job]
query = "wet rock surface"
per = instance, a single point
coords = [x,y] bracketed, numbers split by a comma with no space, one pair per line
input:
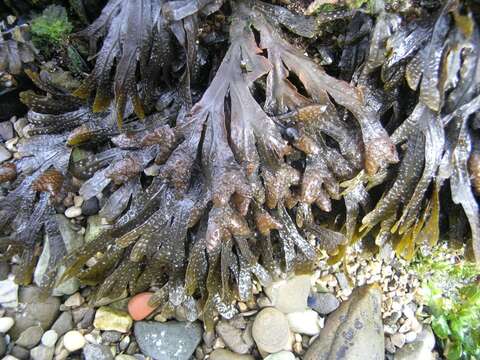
[354,331]
[170,340]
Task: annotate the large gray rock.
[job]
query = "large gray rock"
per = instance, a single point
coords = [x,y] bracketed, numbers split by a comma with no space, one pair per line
[169,340]
[30,337]
[354,331]
[420,349]
[36,310]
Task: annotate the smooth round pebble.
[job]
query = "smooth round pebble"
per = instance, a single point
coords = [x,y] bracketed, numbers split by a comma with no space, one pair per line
[73,341]
[138,307]
[282,355]
[270,330]
[6,324]
[49,338]
[73,212]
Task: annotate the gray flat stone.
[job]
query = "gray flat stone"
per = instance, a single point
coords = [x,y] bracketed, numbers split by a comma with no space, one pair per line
[169,340]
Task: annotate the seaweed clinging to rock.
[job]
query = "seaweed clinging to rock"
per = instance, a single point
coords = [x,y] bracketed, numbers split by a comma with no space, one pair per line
[230,184]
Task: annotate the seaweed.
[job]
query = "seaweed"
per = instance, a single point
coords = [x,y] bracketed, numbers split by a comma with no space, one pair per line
[268,161]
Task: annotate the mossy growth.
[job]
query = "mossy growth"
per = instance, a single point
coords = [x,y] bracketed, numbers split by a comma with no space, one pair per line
[52,27]
[451,292]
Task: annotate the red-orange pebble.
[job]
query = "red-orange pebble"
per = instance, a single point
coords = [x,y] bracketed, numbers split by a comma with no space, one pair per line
[138,307]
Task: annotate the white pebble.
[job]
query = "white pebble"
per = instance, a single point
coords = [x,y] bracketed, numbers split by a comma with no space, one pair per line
[6,324]
[49,338]
[73,341]
[304,322]
[73,212]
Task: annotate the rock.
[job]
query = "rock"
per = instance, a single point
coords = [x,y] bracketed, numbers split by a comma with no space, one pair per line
[19,125]
[20,353]
[74,300]
[6,324]
[398,340]
[354,331]
[108,318]
[233,337]
[124,343]
[42,353]
[304,322]
[97,352]
[73,212]
[125,357]
[222,354]
[73,341]
[111,336]
[4,154]
[90,207]
[87,319]
[138,307]
[323,303]
[3,346]
[169,340]
[343,281]
[410,337]
[10,357]
[290,295]
[8,293]
[4,270]
[36,310]
[50,338]
[282,355]
[420,349]
[30,337]
[271,331]
[63,324]
[6,130]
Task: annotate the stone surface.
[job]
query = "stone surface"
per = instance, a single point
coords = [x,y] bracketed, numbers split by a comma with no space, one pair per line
[169,340]
[8,293]
[73,340]
[6,324]
[30,337]
[107,318]
[323,303]
[42,353]
[304,322]
[97,352]
[6,130]
[63,324]
[49,338]
[290,295]
[282,355]
[233,337]
[111,337]
[420,349]
[74,300]
[354,331]
[20,353]
[73,212]
[90,207]
[138,307]
[222,354]
[36,310]
[271,331]
[4,270]
[4,154]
